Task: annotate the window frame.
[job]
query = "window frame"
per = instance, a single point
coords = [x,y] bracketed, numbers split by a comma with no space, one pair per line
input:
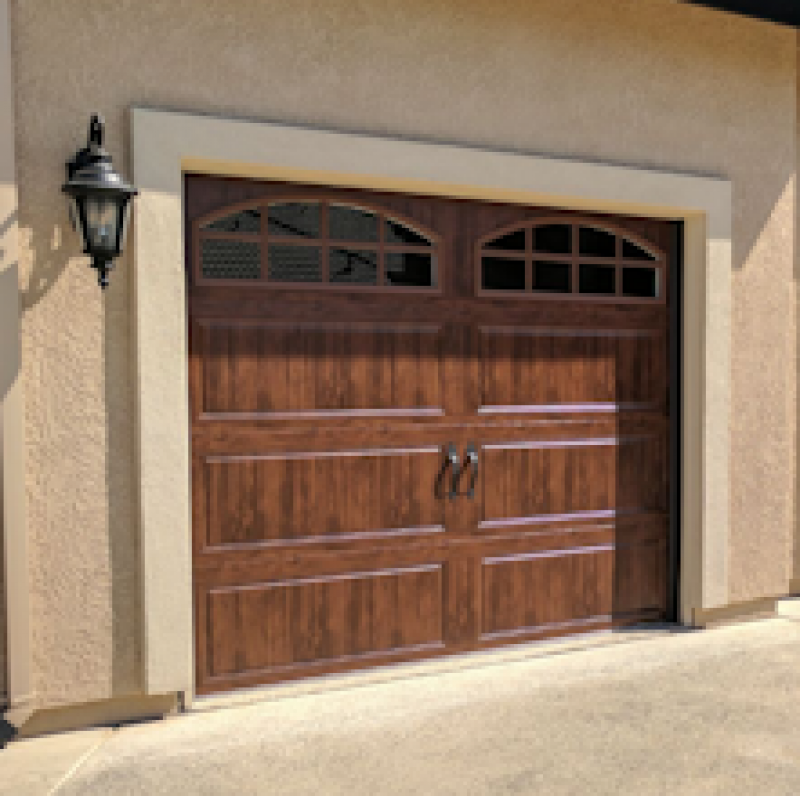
[659,262]
[325,242]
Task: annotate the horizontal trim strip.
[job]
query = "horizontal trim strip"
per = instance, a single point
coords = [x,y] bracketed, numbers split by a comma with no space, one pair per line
[313,413]
[268,457]
[322,663]
[368,575]
[512,558]
[322,539]
[591,621]
[596,442]
[566,551]
[526,331]
[604,408]
[602,514]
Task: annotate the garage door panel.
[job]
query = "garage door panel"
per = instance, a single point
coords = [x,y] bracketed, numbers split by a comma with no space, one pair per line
[539,479]
[529,592]
[236,565]
[257,370]
[301,622]
[316,495]
[568,370]
[537,592]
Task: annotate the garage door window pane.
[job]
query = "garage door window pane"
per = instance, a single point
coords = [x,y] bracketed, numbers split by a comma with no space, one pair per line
[354,266]
[243,221]
[410,269]
[294,264]
[397,232]
[513,241]
[597,279]
[294,220]
[352,224]
[230,259]
[640,282]
[501,274]
[597,243]
[630,251]
[553,239]
[553,277]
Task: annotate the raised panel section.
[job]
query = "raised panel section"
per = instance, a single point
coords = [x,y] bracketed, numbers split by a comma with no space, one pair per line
[298,623]
[525,593]
[292,498]
[546,591]
[287,370]
[547,479]
[535,370]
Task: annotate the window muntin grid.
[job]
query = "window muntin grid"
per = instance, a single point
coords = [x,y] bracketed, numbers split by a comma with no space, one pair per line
[320,243]
[579,259]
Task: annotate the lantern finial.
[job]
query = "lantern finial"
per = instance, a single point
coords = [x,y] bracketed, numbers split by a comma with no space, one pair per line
[96,130]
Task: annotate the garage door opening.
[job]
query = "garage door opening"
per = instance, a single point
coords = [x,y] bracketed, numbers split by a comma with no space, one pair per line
[422,426]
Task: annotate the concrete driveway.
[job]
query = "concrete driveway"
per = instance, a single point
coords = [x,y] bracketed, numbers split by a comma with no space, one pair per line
[712,712]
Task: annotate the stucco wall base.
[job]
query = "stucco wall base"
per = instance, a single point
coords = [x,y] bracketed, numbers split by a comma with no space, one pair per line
[103,713]
[737,612]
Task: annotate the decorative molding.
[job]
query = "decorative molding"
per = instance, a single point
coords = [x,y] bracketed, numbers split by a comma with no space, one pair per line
[168,144]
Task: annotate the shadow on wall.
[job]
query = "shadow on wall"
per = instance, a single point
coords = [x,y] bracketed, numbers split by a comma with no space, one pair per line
[9,372]
[50,253]
[49,260]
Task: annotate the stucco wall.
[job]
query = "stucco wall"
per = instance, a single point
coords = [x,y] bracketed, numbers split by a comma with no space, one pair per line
[3,670]
[644,82]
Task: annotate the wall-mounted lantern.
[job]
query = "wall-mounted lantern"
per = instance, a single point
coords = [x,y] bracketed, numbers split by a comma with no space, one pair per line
[100,202]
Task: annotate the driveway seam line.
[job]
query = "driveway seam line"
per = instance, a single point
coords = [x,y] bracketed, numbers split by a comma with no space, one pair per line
[79,763]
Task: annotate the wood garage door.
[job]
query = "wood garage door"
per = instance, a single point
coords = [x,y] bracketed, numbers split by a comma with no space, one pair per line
[419,426]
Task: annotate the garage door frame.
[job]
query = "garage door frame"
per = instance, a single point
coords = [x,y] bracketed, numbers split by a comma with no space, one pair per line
[168,144]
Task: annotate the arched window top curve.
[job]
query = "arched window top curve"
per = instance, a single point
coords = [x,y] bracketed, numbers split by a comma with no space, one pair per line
[295,240]
[582,257]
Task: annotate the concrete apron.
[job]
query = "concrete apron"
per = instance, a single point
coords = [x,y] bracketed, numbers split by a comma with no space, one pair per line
[248,739]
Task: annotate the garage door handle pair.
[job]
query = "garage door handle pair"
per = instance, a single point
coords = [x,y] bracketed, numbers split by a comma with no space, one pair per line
[454,462]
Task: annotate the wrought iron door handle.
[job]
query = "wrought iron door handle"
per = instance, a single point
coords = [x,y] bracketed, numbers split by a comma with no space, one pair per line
[454,462]
[472,460]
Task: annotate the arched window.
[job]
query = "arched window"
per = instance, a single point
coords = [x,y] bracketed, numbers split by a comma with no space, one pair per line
[581,258]
[317,242]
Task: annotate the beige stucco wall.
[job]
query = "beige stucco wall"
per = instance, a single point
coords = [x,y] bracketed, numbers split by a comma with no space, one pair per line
[643,82]
[3,666]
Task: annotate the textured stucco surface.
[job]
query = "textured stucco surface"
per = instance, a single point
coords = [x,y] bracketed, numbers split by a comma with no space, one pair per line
[646,83]
[10,380]
[3,668]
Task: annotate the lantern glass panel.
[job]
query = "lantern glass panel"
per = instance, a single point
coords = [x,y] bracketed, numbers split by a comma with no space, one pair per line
[124,220]
[102,224]
[77,219]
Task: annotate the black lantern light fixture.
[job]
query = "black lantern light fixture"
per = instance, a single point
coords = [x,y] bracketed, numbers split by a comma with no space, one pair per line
[100,201]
